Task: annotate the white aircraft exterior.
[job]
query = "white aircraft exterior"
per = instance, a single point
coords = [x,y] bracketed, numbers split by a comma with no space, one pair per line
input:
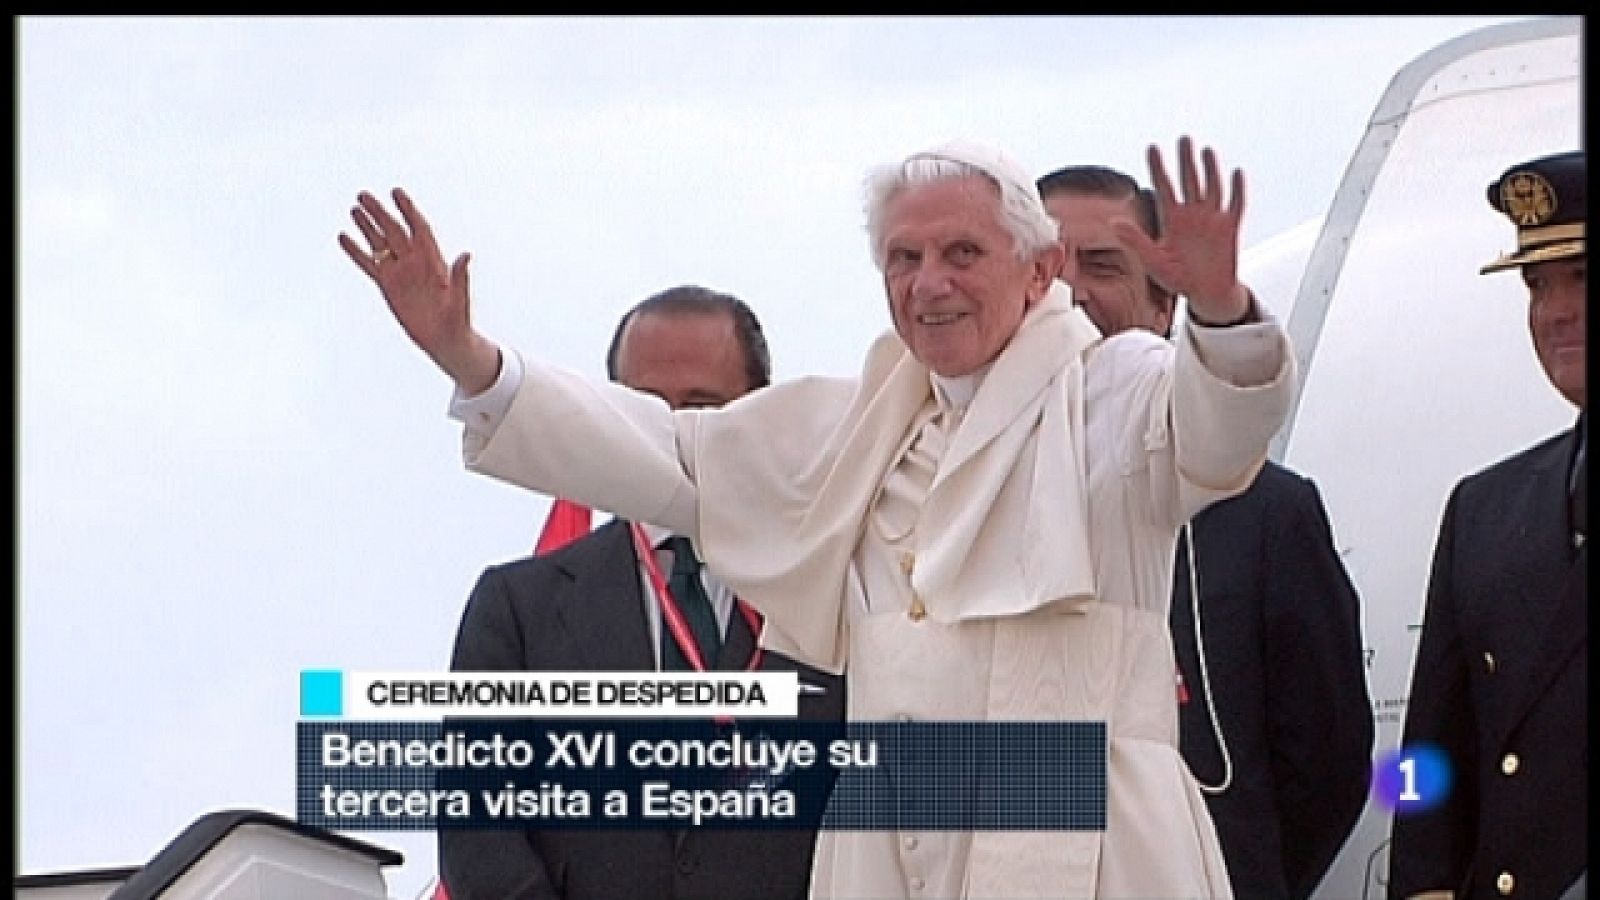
[1415,369]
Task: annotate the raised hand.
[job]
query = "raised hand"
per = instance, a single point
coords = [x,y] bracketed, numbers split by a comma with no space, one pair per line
[431,302]
[1198,252]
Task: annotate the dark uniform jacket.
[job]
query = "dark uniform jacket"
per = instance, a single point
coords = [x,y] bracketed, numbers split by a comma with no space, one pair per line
[1501,686]
[581,608]
[1281,625]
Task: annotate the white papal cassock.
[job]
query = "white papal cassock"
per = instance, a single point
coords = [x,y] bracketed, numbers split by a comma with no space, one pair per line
[996,547]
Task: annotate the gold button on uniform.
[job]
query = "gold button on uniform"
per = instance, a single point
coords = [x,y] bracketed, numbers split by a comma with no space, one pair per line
[907,562]
[1509,763]
[1505,883]
[1488,662]
[917,612]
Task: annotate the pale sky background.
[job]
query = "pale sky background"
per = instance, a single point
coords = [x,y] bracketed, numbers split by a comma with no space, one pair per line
[234,466]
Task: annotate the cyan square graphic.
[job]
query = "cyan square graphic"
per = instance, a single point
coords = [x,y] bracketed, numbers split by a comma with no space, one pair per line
[321,692]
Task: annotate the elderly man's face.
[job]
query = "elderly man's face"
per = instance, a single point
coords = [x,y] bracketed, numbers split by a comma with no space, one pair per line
[1557,317]
[957,290]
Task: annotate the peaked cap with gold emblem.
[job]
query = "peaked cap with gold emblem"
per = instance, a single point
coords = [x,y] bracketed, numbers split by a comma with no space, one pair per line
[1547,199]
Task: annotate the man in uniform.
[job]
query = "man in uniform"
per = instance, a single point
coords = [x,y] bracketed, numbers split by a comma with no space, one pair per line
[1500,684]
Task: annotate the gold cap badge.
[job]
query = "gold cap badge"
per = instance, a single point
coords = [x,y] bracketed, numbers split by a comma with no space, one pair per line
[1528,198]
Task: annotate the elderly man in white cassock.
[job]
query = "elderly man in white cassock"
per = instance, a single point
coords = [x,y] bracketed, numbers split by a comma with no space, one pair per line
[979,526]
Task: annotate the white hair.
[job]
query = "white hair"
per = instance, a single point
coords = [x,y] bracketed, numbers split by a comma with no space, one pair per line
[1022,213]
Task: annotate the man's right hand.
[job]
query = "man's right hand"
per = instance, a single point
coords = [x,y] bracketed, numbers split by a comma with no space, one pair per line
[1197,254]
[430,301]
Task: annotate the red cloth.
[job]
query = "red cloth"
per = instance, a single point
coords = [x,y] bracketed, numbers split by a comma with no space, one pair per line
[566,523]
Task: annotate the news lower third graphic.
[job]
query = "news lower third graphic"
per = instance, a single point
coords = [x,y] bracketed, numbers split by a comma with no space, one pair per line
[427,696]
[1412,779]
[592,750]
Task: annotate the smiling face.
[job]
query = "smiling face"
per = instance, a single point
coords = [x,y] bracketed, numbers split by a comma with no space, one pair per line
[957,291]
[1108,279]
[1557,318]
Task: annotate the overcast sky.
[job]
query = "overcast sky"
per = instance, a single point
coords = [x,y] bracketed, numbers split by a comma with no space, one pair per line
[233,466]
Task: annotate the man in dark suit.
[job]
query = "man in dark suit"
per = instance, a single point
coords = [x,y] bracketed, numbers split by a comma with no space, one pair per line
[590,606]
[1275,719]
[1500,683]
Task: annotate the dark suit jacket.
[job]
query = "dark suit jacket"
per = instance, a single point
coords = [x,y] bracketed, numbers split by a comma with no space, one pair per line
[1281,625]
[581,609]
[1501,686]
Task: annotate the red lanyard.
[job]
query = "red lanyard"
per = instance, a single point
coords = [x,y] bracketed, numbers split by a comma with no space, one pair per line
[672,616]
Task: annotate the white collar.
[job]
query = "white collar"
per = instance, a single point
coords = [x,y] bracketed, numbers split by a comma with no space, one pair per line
[957,393]
[656,534]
